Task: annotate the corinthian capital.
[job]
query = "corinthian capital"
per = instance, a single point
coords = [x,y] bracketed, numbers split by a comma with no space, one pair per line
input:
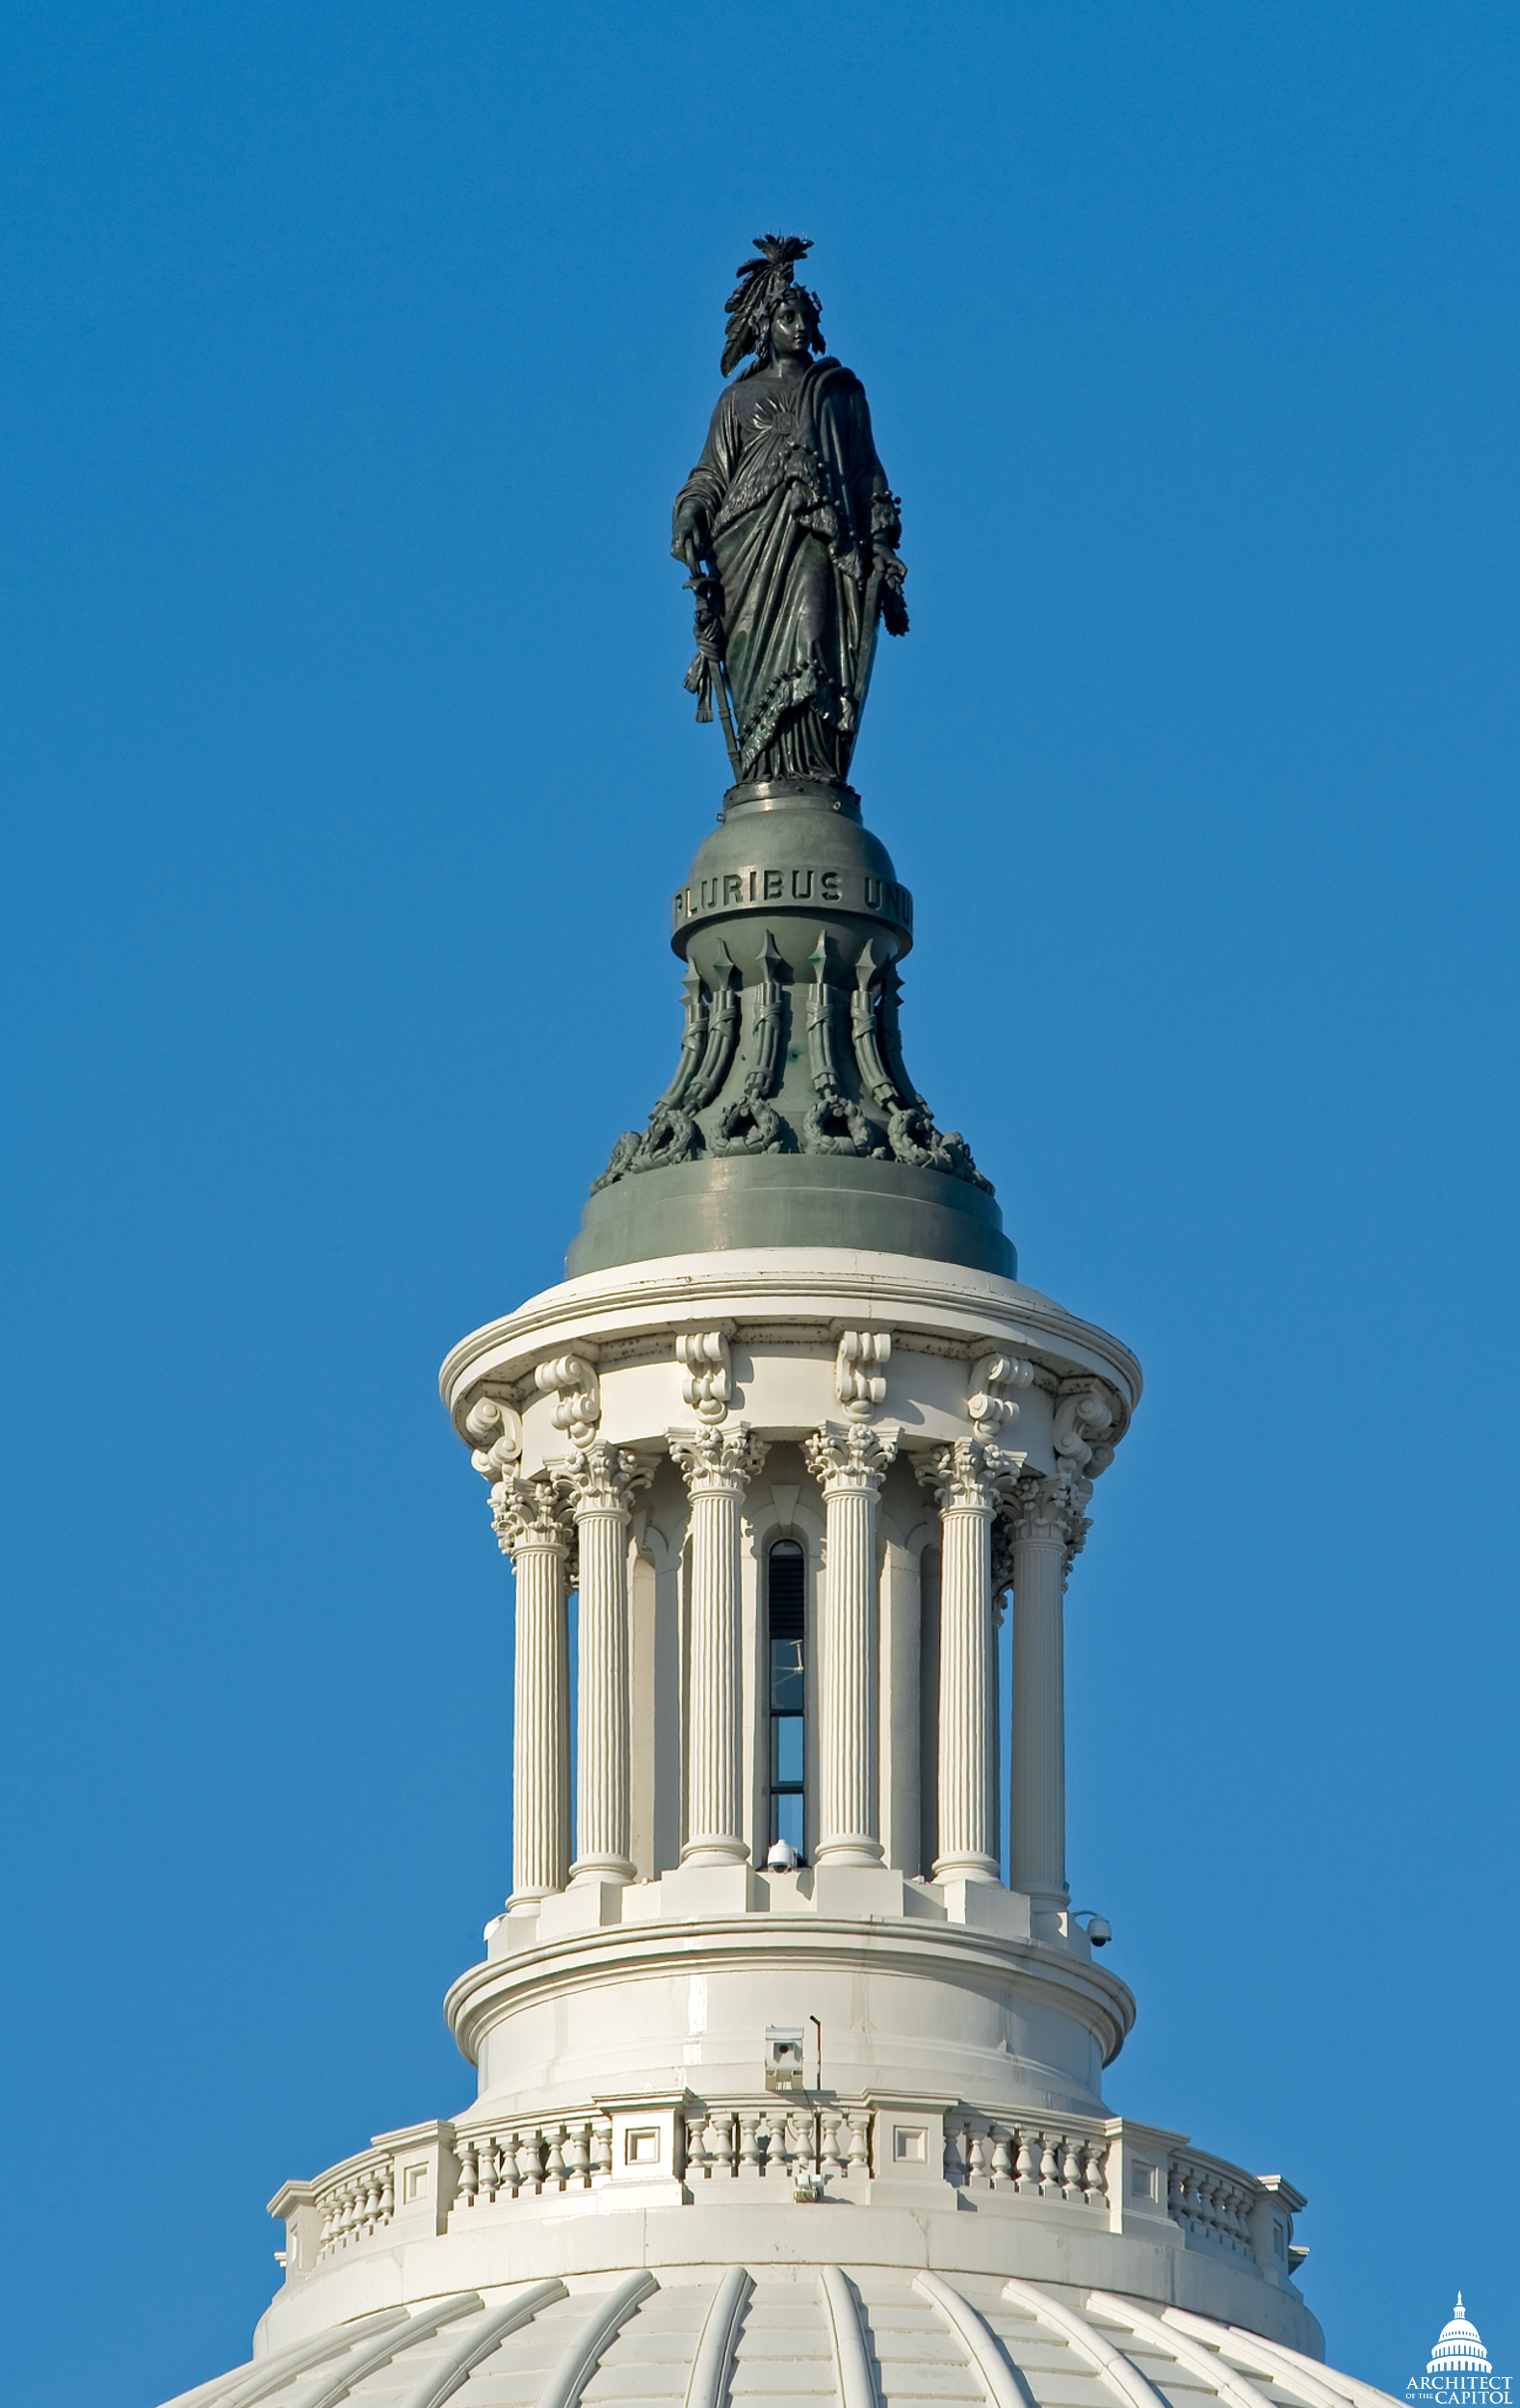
[530,1513]
[1052,1507]
[971,1476]
[852,1458]
[718,1462]
[600,1479]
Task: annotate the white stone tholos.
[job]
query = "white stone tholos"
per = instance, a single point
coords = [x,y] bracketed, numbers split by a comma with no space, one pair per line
[969,1480]
[531,1525]
[849,1463]
[1045,1513]
[600,1480]
[719,1465]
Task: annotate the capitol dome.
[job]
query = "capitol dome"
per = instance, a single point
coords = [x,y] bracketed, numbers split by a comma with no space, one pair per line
[863,2337]
[788,2048]
[1460,2350]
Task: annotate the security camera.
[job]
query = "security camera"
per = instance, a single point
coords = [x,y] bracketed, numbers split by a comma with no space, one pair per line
[783,2056]
[783,1857]
[1098,1928]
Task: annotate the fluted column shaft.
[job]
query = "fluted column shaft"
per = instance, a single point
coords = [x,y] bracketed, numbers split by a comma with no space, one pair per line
[600,1480]
[848,1465]
[531,1525]
[719,1465]
[1042,1537]
[968,1480]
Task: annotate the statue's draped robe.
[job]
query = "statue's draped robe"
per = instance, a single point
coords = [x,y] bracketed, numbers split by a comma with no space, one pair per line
[795,497]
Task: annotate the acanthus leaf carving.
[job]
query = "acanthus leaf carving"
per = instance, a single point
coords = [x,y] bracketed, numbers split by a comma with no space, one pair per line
[971,1476]
[532,1513]
[1051,1505]
[725,1458]
[854,1457]
[603,1478]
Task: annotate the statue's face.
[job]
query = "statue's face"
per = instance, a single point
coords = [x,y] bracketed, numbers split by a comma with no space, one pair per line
[791,331]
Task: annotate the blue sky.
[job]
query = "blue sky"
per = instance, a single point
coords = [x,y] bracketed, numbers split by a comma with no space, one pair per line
[351,358]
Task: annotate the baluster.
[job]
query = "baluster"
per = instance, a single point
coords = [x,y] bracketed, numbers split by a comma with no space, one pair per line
[1049,2169]
[602,2154]
[747,2169]
[832,2159]
[721,2128]
[1002,2160]
[978,2176]
[859,2167]
[1095,2174]
[696,2148]
[581,2155]
[1071,2168]
[956,2160]
[805,2146]
[387,2205]
[373,2204]
[330,2227]
[469,2174]
[1176,2191]
[352,2195]
[1026,2167]
[776,2159]
[554,2168]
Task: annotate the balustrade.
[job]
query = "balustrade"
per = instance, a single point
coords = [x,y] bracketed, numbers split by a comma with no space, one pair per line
[800,2145]
[794,2147]
[1035,2161]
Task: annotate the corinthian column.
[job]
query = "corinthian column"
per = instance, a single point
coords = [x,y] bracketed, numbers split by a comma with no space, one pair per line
[848,1465]
[717,1466]
[969,1480]
[1047,1528]
[531,1524]
[600,1479]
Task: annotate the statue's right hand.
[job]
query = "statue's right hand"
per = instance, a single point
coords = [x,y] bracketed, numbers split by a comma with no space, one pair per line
[689,529]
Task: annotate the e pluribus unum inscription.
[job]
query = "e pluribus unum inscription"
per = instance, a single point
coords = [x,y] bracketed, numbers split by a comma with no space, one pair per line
[845,890]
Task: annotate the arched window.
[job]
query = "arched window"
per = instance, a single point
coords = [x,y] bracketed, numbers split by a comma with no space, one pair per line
[785,1568]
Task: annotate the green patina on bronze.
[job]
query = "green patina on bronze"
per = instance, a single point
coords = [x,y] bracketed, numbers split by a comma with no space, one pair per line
[791,1118]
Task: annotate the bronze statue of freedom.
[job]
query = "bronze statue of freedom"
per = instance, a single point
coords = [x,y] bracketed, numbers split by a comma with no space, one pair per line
[790,532]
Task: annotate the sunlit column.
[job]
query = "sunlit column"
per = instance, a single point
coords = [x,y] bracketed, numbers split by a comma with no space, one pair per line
[535,1531]
[969,1480]
[849,1464]
[600,1480]
[717,1466]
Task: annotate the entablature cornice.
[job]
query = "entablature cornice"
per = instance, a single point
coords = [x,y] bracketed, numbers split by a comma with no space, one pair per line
[783,1299]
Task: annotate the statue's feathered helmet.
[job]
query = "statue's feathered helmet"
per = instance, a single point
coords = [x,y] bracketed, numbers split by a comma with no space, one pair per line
[763,284]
